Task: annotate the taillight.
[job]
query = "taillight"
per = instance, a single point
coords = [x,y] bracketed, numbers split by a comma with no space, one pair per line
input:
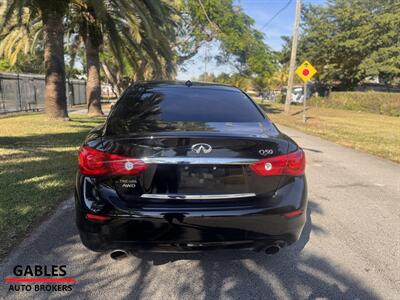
[293,213]
[93,162]
[93,217]
[288,164]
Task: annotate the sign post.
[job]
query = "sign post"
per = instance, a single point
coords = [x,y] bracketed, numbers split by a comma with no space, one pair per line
[305,71]
[305,103]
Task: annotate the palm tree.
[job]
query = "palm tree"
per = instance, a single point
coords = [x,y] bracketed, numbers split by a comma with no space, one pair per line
[52,14]
[82,15]
[135,32]
[132,31]
[20,36]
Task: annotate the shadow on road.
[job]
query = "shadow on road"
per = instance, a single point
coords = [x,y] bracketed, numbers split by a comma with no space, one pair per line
[294,273]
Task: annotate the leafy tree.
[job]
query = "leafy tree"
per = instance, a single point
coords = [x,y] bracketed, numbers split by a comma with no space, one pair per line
[138,39]
[51,14]
[276,80]
[30,63]
[241,45]
[236,79]
[351,40]
[20,46]
[20,36]
[132,32]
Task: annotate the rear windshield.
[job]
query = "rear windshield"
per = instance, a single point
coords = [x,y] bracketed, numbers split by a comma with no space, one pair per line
[186,104]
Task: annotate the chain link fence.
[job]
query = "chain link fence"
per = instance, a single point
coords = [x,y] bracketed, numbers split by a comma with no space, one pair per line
[25,92]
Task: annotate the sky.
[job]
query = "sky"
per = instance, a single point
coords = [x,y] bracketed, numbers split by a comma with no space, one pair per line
[261,11]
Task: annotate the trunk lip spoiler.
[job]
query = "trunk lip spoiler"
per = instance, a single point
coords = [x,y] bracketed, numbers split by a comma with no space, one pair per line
[198,160]
[197,197]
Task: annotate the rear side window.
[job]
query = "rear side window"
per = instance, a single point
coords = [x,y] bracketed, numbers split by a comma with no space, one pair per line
[186,104]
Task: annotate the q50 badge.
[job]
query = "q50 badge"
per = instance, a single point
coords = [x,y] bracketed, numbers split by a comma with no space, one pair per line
[265,152]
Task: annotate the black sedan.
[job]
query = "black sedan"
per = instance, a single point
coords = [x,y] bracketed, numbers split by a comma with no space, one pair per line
[185,167]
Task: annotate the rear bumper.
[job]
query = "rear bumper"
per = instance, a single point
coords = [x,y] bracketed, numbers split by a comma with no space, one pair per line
[193,230]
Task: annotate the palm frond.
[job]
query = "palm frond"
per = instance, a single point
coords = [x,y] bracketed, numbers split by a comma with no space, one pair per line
[20,34]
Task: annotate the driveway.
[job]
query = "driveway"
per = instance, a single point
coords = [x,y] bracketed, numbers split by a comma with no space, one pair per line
[349,249]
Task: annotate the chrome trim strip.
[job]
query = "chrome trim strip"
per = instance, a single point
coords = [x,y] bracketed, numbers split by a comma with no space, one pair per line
[197,197]
[198,160]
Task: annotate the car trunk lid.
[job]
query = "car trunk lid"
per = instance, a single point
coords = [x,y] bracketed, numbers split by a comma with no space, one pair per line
[198,164]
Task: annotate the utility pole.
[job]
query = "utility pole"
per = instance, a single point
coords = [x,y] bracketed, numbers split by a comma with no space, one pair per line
[293,57]
[205,61]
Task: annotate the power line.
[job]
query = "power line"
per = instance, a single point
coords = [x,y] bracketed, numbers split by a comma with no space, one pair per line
[277,14]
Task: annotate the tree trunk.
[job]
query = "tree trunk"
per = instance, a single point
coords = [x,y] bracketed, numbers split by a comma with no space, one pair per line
[93,86]
[112,79]
[140,72]
[54,95]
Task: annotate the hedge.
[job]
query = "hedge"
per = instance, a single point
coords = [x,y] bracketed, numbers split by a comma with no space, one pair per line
[373,102]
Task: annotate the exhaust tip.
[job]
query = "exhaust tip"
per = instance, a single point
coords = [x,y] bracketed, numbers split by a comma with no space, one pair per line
[271,250]
[119,254]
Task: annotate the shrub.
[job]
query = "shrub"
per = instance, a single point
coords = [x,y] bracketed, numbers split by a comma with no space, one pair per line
[373,102]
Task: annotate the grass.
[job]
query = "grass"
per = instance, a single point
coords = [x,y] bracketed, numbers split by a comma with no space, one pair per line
[371,133]
[37,169]
[372,102]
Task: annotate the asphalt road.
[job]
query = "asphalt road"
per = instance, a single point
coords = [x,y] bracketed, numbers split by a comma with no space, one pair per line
[349,249]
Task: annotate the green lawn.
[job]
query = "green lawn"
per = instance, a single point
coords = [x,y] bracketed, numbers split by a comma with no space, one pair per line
[372,133]
[38,159]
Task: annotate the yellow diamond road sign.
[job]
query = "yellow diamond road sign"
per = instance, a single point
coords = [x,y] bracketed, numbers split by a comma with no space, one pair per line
[306,71]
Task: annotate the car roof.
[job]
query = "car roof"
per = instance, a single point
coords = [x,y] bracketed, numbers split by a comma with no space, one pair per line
[181,83]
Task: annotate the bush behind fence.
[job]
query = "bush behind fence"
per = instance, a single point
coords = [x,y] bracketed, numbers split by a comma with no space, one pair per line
[24,92]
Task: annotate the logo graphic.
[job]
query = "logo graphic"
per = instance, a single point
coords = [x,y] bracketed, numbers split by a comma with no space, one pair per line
[201,148]
[129,165]
[128,185]
[40,278]
[265,152]
[268,166]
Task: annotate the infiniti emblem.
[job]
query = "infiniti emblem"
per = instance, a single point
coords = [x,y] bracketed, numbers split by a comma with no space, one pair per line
[201,148]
